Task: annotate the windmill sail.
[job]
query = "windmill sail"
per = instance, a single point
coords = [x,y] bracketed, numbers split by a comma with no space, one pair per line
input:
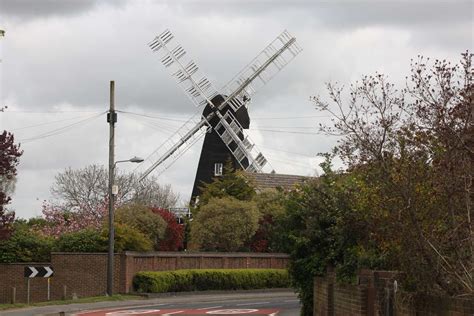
[239,144]
[261,69]
[184,70]
[174,147]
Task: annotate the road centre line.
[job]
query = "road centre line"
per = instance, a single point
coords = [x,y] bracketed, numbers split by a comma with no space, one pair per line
[204,308]
[257,303]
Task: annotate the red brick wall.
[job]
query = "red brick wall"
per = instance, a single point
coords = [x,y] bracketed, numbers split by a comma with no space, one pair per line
[12,275]
[162,261]
[85,274]
[350,300]
[323,296]
[374,295]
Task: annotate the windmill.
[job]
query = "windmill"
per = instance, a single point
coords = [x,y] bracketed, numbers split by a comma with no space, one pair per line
[225,115]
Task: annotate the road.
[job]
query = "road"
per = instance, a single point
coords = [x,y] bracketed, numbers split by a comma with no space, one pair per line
[282,303]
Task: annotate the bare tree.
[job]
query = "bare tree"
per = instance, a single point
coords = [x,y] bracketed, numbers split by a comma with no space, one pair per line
[412,150]
[87,188]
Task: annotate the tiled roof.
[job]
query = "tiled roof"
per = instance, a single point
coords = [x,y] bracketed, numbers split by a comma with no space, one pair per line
[274,180]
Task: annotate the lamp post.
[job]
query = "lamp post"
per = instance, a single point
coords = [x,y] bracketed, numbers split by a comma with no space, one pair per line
[113,190]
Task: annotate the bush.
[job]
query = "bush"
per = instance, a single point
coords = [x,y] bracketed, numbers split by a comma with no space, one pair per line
[25,245]
[210,279]
[86,240]
[224,224]
[141,218]
[174,234]
[91,240]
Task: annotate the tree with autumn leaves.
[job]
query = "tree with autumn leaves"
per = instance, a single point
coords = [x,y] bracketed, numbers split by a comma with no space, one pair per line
[404,200]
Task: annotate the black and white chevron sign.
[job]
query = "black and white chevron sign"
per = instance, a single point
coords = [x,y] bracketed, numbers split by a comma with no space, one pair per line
[38,272]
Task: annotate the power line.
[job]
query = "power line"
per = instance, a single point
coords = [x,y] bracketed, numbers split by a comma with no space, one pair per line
[289,117]
[60,130]
[288,152]
[47,112]
[287,132]
[153,117]
[288,127]
[165,129]
[45,123]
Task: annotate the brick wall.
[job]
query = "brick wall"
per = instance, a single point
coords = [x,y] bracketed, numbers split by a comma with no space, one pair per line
[350,300]
[162,261]
[11,275]
[374,294]
[406,305]
[85,274]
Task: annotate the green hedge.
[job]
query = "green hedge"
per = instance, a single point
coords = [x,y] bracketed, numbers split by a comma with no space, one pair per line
[210,279]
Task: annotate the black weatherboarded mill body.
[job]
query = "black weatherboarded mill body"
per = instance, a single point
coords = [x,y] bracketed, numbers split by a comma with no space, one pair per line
[215,153]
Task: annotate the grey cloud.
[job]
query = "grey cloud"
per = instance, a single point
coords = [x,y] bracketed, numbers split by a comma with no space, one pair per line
[344,14]
[36,8]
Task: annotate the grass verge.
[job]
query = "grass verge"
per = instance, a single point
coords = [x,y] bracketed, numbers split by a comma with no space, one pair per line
[92,299]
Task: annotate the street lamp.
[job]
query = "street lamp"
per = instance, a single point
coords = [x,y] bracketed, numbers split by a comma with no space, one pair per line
[113,190]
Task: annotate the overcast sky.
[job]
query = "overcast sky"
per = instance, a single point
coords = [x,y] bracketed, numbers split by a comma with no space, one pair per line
[58,57]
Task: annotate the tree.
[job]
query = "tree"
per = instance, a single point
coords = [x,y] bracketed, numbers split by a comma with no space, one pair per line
[87,189]
[410,152]
[271,206]
[174,234]
[320,229]
[59,221]
[224,224]
[232,183]
[9,159]
[142,218]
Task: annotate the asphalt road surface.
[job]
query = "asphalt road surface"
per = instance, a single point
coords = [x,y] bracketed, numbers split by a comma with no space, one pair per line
[281,303]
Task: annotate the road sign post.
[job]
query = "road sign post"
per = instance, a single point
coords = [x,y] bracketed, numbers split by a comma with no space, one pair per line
[38,272]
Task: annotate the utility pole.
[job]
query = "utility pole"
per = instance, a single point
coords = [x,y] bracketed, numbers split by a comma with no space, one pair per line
[111,119]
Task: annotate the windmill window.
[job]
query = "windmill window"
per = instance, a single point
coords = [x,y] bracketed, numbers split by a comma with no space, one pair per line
[218,167]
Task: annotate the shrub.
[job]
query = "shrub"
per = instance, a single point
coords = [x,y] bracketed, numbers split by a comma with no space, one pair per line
[25,245]
[142,218]
[210,279]
[91,240]
[86,240]
[174,233]
[224,224]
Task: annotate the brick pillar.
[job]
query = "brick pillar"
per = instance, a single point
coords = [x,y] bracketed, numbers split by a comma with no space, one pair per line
[331,277]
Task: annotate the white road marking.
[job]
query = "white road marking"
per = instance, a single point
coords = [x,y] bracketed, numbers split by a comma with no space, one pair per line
[232,311]
[291,301]
[117,308]
[246,304]
[201,309]
[133,312]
